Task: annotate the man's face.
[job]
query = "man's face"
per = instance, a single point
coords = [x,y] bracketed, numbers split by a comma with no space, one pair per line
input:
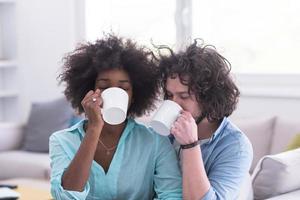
[179,93]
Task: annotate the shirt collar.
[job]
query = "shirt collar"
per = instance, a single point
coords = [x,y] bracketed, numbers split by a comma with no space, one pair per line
[129,126]
[217,132]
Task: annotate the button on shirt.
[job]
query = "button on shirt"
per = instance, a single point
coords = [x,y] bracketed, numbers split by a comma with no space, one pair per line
[227,156]
[144,165]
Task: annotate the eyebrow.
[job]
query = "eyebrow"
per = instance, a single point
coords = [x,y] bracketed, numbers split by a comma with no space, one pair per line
[181,92]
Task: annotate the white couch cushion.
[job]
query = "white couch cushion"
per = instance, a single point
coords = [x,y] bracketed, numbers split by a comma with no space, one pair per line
[289,196]
[10,136]
[24,164]
[277,174]
[259,131]
[284,131]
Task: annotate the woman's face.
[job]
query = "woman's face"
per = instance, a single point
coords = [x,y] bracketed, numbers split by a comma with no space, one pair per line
[179,93]
[114,78]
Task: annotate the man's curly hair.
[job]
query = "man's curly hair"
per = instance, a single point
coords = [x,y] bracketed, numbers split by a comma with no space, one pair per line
[82,66]
[207,75]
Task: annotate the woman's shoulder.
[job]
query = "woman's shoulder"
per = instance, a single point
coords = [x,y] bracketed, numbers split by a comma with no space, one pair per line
[142,128]
[146,131]
[70,133]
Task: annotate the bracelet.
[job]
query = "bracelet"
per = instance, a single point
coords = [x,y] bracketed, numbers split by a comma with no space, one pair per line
[191,145]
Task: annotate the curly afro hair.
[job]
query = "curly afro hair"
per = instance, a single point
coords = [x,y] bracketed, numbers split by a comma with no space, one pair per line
[207,75]
[82,66]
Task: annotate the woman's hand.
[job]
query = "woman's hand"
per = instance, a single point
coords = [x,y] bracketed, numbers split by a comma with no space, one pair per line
[184,129]
[92,103]
[77,174]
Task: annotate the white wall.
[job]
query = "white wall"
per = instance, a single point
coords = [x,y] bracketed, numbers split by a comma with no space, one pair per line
[264,95]
[46,30]
[260,107]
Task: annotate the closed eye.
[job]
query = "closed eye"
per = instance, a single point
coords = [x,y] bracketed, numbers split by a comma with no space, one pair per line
[102,88]
[185,96]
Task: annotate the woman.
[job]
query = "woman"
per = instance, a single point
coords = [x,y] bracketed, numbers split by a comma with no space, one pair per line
[95,160]
[215,155]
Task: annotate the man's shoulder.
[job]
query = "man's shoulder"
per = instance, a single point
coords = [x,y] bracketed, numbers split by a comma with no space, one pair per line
[233,138]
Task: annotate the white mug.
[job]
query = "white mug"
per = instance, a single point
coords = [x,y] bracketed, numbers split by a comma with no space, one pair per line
[165,116]
[115,104]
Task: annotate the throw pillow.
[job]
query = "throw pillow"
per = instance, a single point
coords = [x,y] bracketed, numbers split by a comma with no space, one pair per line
[44,119]
[295,143]
[284,130]
[259,131]
[276,174]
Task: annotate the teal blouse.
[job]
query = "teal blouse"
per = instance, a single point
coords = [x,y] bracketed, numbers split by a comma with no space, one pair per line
[144,166]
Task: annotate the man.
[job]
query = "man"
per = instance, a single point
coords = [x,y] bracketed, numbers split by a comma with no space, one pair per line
[215,155]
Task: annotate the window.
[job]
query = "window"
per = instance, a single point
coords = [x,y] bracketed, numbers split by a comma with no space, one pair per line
[141,20]
[261,39]
[255,36]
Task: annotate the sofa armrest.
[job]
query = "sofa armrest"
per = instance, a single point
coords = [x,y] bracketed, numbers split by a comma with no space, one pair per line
[10,136]
[276,174]
[294,195]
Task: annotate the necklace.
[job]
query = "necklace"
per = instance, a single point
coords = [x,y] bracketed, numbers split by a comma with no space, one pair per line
[108,149]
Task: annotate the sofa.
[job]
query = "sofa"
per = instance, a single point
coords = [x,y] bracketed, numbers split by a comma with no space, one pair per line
[275,171]
[269,137]
[24,147]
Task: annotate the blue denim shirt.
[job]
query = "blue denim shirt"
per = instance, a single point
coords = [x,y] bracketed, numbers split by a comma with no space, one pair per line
[227,156]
